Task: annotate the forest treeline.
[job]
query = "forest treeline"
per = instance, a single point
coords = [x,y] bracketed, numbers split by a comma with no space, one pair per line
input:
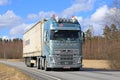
[101,47]
[11,48]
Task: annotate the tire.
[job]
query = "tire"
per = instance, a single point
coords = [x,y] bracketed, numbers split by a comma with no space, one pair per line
[27,62]
[38,64]
[42,65]
[31,64]
[45,66]
[77,69]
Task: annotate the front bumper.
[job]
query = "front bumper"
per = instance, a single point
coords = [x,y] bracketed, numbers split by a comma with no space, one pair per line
[55,65]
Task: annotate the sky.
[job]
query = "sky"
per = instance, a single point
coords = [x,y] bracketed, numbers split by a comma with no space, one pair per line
[17,16]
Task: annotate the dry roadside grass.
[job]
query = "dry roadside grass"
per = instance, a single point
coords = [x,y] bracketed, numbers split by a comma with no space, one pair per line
[96,64]
[9,73]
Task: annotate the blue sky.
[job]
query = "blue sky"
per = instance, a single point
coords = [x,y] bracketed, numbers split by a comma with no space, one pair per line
[16,16]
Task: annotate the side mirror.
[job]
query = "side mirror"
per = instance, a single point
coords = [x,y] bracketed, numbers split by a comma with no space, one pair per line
[43,56]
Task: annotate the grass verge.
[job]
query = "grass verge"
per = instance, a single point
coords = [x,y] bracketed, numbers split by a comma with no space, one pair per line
[96,64]
[10,73]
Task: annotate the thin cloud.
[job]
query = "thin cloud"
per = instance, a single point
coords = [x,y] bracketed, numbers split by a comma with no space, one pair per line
[96,20]
[9,19]
[40,15]
[100,14]
[78,6]
[32,16]
[4,2]
[5,37]
[20,29]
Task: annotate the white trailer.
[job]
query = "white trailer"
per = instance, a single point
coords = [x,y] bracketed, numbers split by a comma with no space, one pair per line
[32,43]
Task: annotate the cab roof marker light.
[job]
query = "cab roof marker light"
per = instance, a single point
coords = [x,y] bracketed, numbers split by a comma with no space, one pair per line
[73,19]
[53,16]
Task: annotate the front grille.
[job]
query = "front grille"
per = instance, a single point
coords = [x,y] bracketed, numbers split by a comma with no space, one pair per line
[66,56]
[66,59]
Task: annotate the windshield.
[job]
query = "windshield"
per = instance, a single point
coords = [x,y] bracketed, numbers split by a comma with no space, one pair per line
[65,35]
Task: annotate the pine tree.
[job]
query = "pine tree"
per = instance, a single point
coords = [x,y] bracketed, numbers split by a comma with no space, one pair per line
[107,32]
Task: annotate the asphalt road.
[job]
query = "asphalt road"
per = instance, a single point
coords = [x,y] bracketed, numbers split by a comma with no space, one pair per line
[85,74]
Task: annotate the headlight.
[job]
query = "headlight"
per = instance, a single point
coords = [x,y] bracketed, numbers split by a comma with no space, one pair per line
[80,60]
[52,59]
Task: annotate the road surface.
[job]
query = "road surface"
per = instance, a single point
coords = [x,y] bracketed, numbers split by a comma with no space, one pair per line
[85,74]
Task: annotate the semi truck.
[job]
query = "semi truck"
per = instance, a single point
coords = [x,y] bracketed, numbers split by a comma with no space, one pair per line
[54,43]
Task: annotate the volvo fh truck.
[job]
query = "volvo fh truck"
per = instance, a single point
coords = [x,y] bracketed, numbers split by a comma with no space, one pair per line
[54,43]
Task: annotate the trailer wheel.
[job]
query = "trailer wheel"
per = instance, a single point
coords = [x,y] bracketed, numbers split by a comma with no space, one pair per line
[31,64]
[38,64]
[77,69]
[27,62]
[42,64]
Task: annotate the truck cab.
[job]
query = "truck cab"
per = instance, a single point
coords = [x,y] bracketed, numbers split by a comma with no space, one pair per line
[62,44]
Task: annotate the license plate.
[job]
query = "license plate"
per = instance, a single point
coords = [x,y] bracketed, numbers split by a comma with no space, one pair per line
[66,67]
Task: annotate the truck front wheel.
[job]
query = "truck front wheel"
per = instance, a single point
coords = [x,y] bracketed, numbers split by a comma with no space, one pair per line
[45,66]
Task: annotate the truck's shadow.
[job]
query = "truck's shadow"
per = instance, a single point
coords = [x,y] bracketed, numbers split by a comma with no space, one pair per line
[84,70]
